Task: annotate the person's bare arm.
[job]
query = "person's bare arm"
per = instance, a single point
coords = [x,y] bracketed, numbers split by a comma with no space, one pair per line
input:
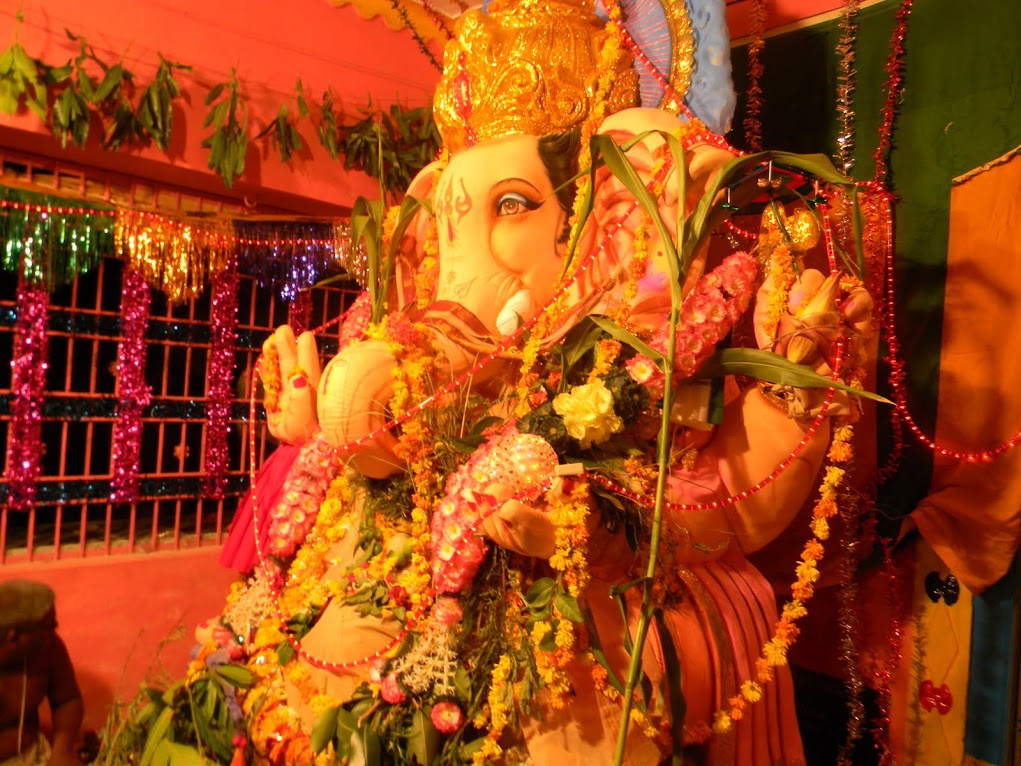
[67,722]
[66,705]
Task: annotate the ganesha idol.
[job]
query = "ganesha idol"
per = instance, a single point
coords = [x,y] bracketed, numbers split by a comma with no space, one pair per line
[518,527]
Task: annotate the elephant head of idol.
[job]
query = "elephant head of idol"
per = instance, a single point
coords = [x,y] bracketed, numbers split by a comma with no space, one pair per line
[520,83]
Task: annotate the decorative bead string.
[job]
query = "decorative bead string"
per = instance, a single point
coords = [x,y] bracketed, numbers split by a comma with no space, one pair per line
[898,375]
[733,228]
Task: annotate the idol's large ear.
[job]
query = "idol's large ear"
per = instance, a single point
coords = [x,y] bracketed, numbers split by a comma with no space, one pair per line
[608,241]
[411,257]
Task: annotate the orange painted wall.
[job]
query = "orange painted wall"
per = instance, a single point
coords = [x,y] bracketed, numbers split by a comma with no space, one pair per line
[270,43]
[114,613]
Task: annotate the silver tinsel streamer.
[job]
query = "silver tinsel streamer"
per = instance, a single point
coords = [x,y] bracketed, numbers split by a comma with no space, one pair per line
[844,157]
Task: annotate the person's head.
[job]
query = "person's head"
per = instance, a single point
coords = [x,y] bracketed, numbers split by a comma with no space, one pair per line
[27,611]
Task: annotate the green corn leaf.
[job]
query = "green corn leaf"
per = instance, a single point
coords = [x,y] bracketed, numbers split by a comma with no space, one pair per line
[619,333]
[625,172]
[773,368]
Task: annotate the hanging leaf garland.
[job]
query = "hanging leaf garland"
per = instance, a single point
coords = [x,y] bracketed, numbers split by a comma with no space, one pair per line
[155,109]
[228,118]
[391,145]
[328,129]
[21,79]
[283,133]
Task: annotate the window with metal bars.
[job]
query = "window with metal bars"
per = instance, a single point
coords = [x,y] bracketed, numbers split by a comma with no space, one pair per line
[72,515]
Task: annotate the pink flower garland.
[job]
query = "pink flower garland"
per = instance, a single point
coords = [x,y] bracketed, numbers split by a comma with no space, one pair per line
[522,463]
[134,394]
[304,491]
[223,327]
[707,315]
[28,380]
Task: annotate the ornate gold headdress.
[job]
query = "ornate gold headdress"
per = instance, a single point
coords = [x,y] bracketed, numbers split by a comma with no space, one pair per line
[526,66]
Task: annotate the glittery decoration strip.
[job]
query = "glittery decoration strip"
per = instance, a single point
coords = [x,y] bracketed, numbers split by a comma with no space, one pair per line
[894,87]
[28,380]
[752,122]
[290,256]
[299,313]
[133,392]
[172,255]
[52,240]
[223,323]
[844,157]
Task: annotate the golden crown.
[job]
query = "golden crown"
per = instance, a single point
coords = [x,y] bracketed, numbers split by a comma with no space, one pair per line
[527,66]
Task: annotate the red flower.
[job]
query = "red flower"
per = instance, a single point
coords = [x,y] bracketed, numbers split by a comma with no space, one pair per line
[447,717]
[390,690]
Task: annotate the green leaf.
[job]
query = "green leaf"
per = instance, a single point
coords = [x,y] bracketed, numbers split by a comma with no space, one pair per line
[740,171]
[324,730]
[237,676]
[619,333]
[214,93]
[184,755]
[540,594]
[347,728]
[567,605]
[110,83]
[423,739]
[773,368]
[285,653]
[156,736]
[372,748]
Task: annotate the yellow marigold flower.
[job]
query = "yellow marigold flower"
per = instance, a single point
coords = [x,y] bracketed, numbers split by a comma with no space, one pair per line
[813,551]
[751,691]
[775,652]
[820,528]
[787,632]
[539,631]
[565,634]
[722,722]
[825,508]
[840,452]
[490,752]
[807,572]
[834,476]
[802,591]
[793,610]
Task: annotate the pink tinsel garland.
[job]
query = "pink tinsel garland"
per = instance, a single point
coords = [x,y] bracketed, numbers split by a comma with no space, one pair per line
[223,327]
[28,379]
[134,395]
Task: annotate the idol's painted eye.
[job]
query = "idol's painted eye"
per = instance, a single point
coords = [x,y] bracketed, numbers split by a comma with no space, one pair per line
[513,203]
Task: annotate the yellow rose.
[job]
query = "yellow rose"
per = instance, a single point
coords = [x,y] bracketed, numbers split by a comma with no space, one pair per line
[588,413]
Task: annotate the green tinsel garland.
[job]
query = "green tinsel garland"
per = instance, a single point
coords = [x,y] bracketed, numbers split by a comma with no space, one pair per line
[52,239]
